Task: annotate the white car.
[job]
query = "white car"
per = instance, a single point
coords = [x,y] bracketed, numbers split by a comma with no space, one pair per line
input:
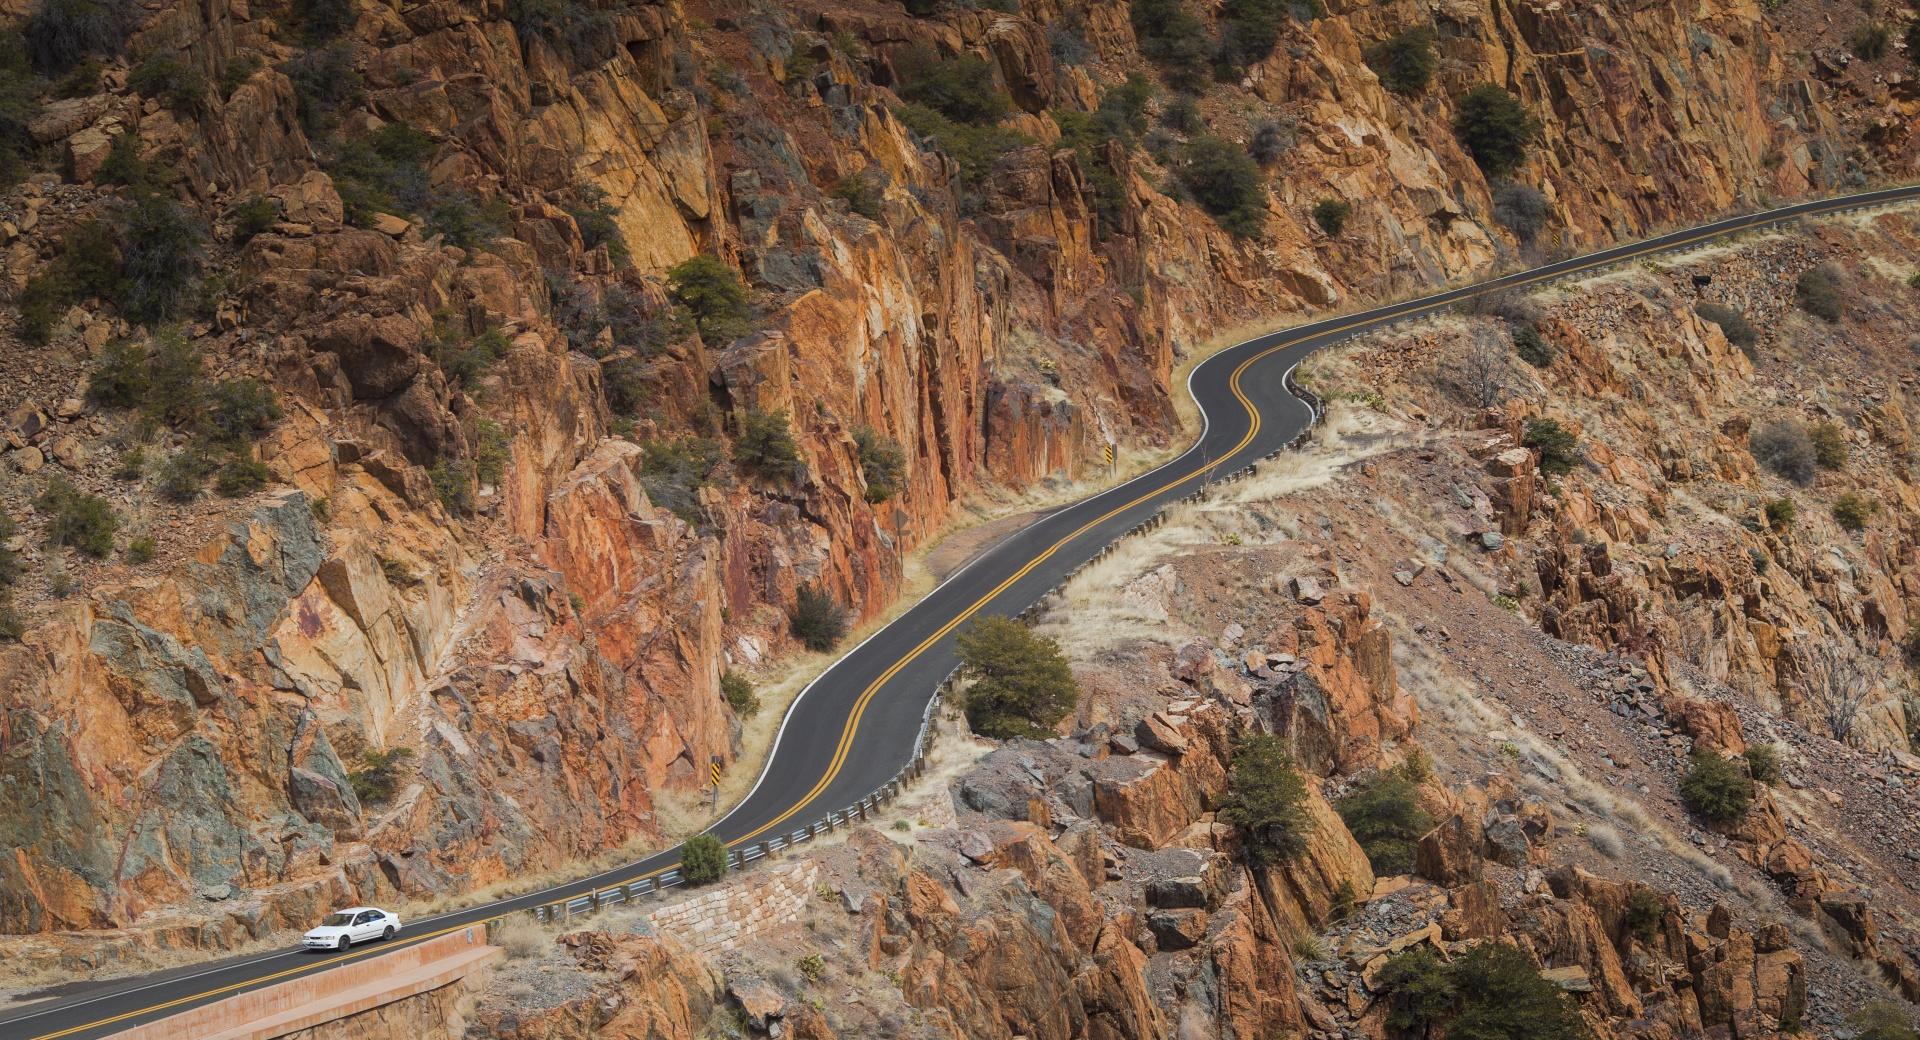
[343,928]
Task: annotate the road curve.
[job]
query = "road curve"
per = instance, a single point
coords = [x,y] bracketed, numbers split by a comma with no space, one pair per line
[853,728]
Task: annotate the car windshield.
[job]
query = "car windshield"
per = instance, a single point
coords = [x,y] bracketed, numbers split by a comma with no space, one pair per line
[337,921]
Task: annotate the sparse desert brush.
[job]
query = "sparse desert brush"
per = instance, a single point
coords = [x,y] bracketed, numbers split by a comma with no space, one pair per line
[520,935]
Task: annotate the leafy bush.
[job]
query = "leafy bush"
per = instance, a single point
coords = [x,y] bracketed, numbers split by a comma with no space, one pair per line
[252,215]
[626,379]
[1331,214]
[237,409]
[673,473]
[1829,445]
[19,106]
[160,252]
[141,550]
[492,450]
[378,778]
[1491,992]
[1645,910]
[12,625]
[1734,325]
[1384,814]
[1227,183]
[974,148]
[703,860]
[1266,798]
[467,360]
[83,80]
[242,475]
[61,33]
[817,619]
[87,265]
[1852,510]
[577,28]
[1559,448]
[383,172]
[176,391]
[1405,62]
[1495,127]
[9,560]
[962,88]
[765,444]
[237,72]
[1520,208]
[712,292]
[1532,347]
[1872,42]
[453,481]
[466,221]
[1022,686]
[1780,513]
[594,216]
[126,167]
[1883,1020]
[1785,448]
[1716,788]
[882,463]
[739,692]
[1271,140]
[322,20]
[1763,762]
[164,76]
[324,82]
[1818,293]
[120,379]
[1174,39]
[861,195]
[1250,29]
[85,522]
[185,473]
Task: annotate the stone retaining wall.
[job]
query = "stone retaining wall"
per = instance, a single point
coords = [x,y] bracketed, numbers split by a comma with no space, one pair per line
[743,908]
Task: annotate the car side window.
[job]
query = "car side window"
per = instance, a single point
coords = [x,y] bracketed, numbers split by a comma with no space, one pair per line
[367,918]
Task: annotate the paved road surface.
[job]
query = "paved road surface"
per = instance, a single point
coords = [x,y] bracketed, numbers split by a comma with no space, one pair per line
[855,727]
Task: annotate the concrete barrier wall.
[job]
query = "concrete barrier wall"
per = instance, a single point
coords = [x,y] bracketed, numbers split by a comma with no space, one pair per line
[324,995]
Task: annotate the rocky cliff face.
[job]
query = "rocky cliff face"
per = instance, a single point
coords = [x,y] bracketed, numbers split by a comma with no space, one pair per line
[479,564]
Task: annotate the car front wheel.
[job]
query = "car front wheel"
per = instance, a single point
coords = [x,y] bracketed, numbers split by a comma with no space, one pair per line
[343,943]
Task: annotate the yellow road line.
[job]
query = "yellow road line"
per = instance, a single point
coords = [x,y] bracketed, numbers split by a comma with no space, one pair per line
[852,726]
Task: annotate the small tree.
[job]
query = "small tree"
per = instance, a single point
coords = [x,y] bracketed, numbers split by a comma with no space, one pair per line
[882,463]
[1829,445]
[1872,42]
[1645,911]
[1491,992]
[765,444]
[963,88]
[1267,799]
[85,522]
[1716,788]
[1520,208]
[160,252]
[817,619]
[1852,510]
[1763,762]
[1495,127]
[1818,293]
[1532,347]
[1271,140]
[1227,183]
[739,693]
[1405,62]
[1559,449]
[1780,513]
[1022,686]
[1332,214]
[713,293]
[703,860]
[379,776]
[1383,813]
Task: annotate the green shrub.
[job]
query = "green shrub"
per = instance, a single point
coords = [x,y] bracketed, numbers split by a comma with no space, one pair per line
[12,625]
[59,34]
[453,484]
[83,80]
[164,76]
[594,216]
[1520,208]
[1645,911]
[712,292]
[235,73]
[120,380]
[492,450]
[10,560]
[1267,799]
[882,463]
[1495,127]
[1883,1020]
[241,475]
[1763,762]
[324,83]
[1182,115]
[1404,62]
[1734,325]
[1852,510]
[578,29]
[1780,513]
[817,619]
[673,473]
[252,215]
[627,381]
[1818,293]
[765,444]
[740,695]
[86,266]
[238,409]
[1174,39]
[1383,813]
[973,148]
[1021,686]
[1332,214]
[141,550]
[1249,30]
[703,860]
[1559,449]
[861,195]
[466,221]
[322,20]
[466,360]
[75,518]
[1227,183]
[160,252]
[176,381]
[1872,42]
[1532,347]
[1785,448]
[379,776]
[963,88]
[127,167]
[1829,445]
[1491,992]
[19,106]
[1716,788]
[184,474]
[1271,140]
[383,172]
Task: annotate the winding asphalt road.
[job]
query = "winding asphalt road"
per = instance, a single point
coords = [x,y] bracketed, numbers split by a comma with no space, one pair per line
[852,730]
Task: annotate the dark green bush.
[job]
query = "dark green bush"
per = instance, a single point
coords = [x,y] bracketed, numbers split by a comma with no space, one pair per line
[963,88]
[453,481]
[1182,115]
[1383,813]
[86,266]
[492,450]
[974,148]
[467,221]
[1495,127]
[1818,293]
[1716,788]
[861,195]
[1267,799]
[1763,762]
[120,380]
[1734,325]
[1559,449]
[83,80]
[59,34]
[1883,1020]
[238,409]
[739,693]
[703,860]
[141,550]
[12,625]
[1872,42]
[164,76]
[578,29]
[594,216]
[1173,38]
[1829,445]
[627,381]
[383,172]
[19,106]
[1785,448]
[817,619]
[882,463]
[9,559]
[712,292]
[324,83]
[1913,50]
[1780,513]
[1532,347]
[241,475]
[379,776]
[1332,214]
[1021,684]
[1852,510]
[1227,183]
[1404,62]
[673,473]
[1271,140]
[322,20]
[1520,208]
[235,73]
[765,444]
[467,360]
[252,215]
[184,475]
[127,167]
[1645,910]
[1491,992]
[160,252]
[75,518]
[176,381]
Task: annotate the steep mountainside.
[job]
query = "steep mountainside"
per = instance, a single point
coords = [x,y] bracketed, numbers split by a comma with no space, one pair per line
[500,499]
